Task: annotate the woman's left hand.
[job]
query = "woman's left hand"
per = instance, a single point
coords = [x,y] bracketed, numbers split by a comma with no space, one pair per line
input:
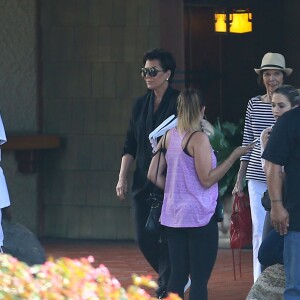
[265,137]
[242,150]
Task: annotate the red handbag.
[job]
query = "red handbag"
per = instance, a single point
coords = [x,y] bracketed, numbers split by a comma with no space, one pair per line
[240,227]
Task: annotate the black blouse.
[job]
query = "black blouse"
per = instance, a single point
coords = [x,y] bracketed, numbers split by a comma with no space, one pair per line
[142,122]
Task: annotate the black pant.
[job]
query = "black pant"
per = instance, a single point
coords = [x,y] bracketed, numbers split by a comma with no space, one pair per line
[193,252]
[153,246]
[271,249]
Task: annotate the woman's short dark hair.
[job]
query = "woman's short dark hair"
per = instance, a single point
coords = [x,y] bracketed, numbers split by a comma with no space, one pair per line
[261,73]
[166,59]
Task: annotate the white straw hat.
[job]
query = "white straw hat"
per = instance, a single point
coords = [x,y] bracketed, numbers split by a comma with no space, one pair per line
[273,61]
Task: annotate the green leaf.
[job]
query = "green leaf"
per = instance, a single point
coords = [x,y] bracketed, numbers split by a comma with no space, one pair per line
[227,136]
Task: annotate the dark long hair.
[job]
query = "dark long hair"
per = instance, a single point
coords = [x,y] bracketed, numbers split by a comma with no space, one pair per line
[290,92]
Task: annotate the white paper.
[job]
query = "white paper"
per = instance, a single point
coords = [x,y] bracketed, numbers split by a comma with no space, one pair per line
[2,132]
[160,130]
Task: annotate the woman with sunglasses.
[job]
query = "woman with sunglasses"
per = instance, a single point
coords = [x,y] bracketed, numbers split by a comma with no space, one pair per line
[148,112]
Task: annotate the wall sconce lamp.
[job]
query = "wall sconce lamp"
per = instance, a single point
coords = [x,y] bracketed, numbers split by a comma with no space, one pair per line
[236,21]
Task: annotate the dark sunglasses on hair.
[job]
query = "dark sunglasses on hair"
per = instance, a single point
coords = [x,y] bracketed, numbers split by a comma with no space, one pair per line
[152,72]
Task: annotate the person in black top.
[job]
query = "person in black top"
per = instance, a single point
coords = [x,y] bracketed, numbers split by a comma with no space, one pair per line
[148,112]
[283,149]
[284,98]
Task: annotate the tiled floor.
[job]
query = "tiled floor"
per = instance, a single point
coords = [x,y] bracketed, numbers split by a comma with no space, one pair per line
[124,258]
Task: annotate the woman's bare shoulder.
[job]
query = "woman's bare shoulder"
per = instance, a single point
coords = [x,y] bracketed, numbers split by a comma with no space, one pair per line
[200,137]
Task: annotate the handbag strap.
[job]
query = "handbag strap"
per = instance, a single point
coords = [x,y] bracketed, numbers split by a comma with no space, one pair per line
[162,148]
[156,173]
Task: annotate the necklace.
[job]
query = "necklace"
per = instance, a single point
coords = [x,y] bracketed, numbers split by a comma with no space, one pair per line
[267,97]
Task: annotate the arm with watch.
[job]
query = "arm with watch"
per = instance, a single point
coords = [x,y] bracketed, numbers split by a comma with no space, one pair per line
[279,215]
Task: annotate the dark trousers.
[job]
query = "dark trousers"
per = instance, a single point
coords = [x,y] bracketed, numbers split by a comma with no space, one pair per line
[193,252]
[271,249]
[153,246]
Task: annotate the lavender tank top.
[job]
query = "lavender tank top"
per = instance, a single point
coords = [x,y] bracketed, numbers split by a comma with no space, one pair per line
[186,202]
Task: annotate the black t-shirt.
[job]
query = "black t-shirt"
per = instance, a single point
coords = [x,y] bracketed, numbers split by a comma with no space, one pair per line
[283,148]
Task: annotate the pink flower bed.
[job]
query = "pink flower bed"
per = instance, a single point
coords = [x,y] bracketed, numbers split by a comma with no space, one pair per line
[67,278]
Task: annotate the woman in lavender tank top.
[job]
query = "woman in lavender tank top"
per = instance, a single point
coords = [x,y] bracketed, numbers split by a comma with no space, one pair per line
[188,174]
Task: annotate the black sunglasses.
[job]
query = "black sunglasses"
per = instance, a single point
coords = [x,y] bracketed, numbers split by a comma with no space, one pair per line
[152,72]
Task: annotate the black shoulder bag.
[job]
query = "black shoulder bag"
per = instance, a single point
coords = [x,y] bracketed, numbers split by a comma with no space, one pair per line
[265,201]
[156,200]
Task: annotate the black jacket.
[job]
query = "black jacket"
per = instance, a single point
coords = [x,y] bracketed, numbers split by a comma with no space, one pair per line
[142,122]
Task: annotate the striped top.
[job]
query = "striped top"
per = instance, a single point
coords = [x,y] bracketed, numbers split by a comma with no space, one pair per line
[187,203]
[258,117]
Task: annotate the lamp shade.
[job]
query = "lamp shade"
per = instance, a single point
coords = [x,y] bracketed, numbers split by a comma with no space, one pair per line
[220,22]
[237,21]
[241,21]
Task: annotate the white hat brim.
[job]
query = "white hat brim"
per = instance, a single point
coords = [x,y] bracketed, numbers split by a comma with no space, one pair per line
[287,71]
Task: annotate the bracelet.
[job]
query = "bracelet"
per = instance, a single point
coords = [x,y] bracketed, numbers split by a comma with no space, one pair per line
[276,200]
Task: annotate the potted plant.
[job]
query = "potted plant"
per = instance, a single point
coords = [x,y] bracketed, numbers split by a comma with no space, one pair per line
[226,137]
